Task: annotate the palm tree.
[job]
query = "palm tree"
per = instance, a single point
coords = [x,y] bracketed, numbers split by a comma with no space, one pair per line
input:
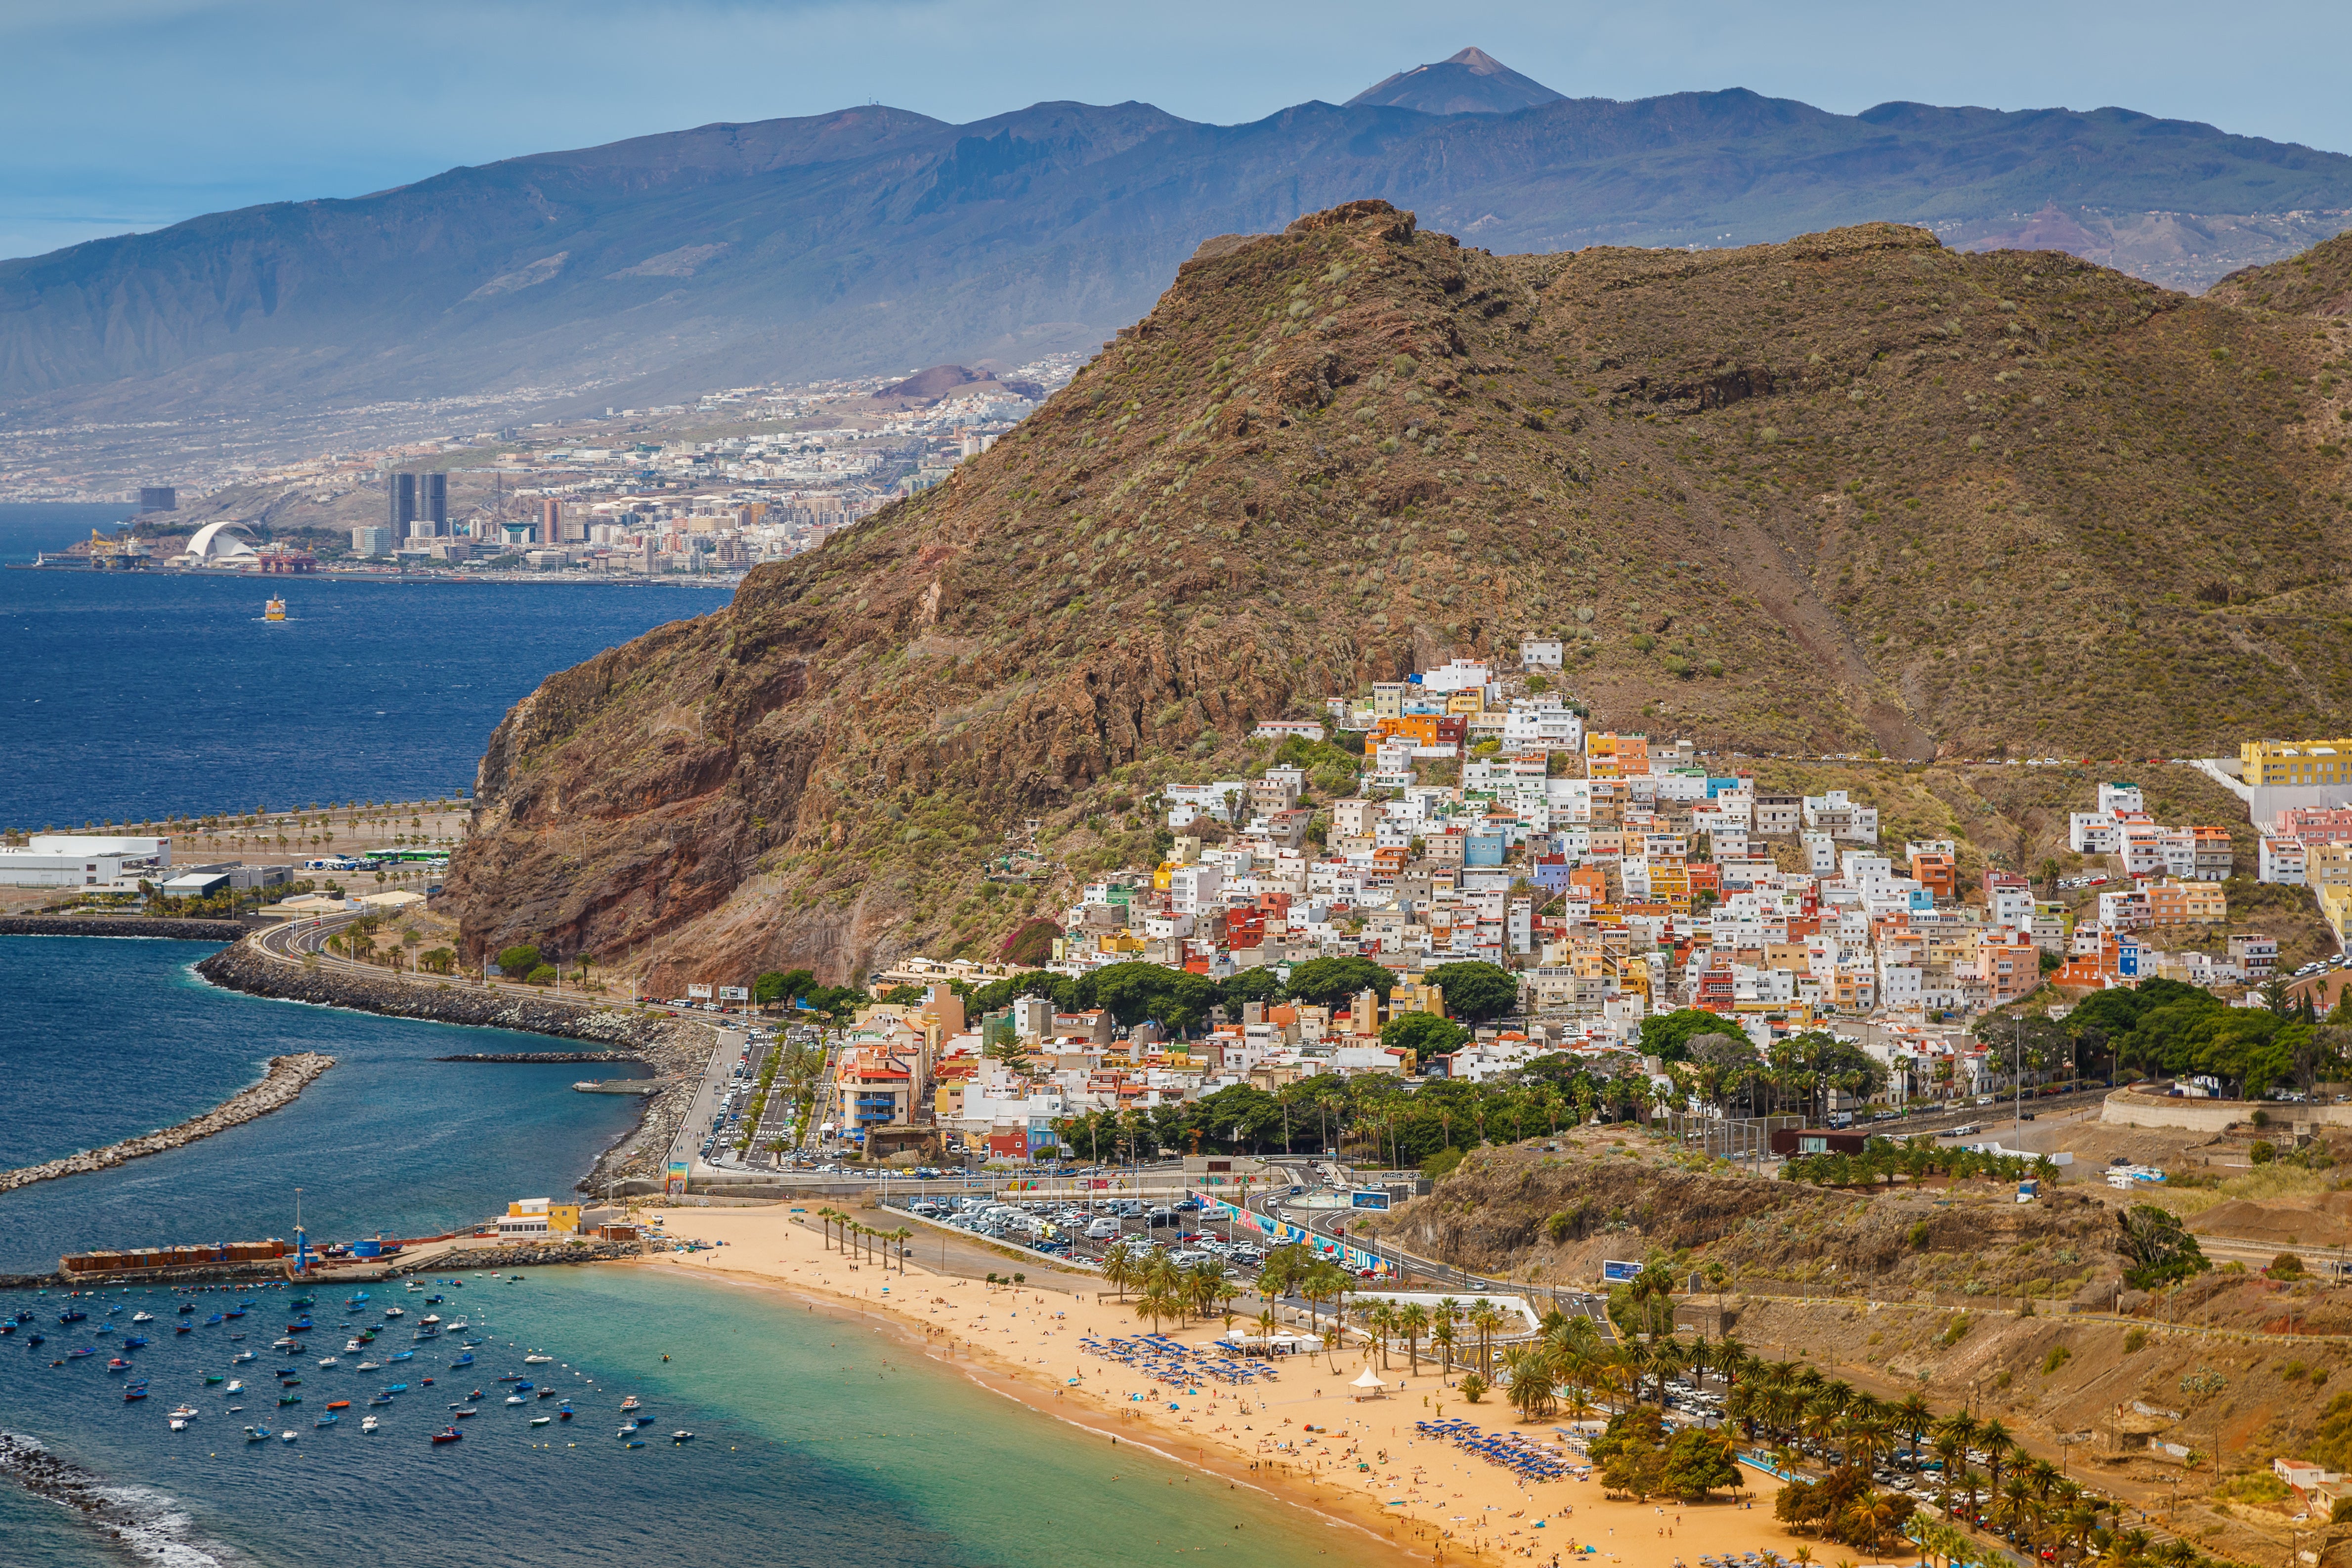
[1332,1334]
[1488,1319]
[1119,1269]
[1913,1418]
[1412,1321]
[1531,1384]
[1994,1438]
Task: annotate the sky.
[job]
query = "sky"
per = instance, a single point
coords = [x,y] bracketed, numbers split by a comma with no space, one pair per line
[121,115]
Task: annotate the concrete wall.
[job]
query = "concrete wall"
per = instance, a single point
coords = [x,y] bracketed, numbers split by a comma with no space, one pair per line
[2128,1108]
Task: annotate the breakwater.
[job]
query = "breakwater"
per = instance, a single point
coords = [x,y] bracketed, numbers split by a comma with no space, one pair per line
[675,1049]
[121,925]
[285,1080]
[531,1255]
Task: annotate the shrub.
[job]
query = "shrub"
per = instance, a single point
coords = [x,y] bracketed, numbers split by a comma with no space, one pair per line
[1474,1387]
[1918,1235]
[2286,1266]
[2059,1356]
[1955,1331]
[2135,1340]
[2264,1152]
[520,959]
[542,975]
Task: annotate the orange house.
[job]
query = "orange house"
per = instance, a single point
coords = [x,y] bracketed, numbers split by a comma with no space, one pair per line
[1936,872]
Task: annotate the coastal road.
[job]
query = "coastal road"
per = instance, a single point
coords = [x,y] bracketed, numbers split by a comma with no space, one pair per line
[686,1144]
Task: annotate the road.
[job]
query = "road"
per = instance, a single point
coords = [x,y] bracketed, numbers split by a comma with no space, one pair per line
[726,1052]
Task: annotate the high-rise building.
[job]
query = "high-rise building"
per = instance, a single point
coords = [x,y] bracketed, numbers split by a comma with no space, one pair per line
[158,498]
[432,504]
[550,522]
[370,540]
[400,503]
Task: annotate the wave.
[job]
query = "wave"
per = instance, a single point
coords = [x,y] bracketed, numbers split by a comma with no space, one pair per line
[152,1526]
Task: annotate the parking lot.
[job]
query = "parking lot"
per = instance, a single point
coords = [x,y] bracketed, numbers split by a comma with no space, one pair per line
[1084,1229]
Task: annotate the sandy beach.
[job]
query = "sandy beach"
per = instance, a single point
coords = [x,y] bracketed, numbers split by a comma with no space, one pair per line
[1301,1437]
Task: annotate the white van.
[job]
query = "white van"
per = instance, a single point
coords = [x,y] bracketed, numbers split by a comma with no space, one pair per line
[1103,1229]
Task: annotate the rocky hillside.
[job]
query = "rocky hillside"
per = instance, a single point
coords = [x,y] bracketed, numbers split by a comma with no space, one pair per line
[1854,491]
[2316,283]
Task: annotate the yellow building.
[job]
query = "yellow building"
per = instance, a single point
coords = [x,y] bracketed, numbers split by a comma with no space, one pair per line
[527,1217]
[2292,762]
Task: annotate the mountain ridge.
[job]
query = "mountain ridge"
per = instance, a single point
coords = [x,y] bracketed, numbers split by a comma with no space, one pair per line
[1851,493]
[873,238]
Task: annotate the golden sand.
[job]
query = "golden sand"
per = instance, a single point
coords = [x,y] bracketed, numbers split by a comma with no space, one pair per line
[1302,1437]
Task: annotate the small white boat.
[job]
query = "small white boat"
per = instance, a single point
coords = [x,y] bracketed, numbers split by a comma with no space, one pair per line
[179,1423]
[369,1367]
[540,1420]
[630,1403]
[327,1361]
[681,1437]
[429,1319]
[242,1356]
[235,1386]
[517,1399]
[537,1360]
[142,1317]
[290,1435]
[183,1412]
[368,1425]
[396,1312]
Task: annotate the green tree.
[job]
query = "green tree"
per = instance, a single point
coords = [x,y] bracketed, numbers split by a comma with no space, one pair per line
[785,986]
[1477,991]
[2159,1248]
[1423,1034]
[1667,1035]
[1333,982]
[518,960]
[1697,1461]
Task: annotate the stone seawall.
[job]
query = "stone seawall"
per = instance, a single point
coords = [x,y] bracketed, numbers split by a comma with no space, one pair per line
[127,926]
[2129,1108]
[675,1049]
[286,1077]
[530,1256]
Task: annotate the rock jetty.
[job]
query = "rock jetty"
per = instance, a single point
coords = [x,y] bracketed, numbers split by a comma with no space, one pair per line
[530,1256]
[675,1049]
[287,1078]
[121,925]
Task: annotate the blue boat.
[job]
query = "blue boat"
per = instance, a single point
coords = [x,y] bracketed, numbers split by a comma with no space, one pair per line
[134,1341]
[184,1328]
[395,1388]
[36,1340]
[465,1360]
[72,1315]
[185,1307]
[404,1355]
[327,1420]
[77,1354]
[211,1320]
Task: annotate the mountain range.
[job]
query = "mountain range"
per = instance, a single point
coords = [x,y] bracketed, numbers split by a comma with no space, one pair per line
[873,239]
[1856,492]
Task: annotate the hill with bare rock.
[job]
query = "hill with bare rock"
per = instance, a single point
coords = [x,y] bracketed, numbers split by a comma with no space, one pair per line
[1852,492]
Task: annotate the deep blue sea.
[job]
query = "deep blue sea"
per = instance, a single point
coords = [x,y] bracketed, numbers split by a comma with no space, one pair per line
[134,695]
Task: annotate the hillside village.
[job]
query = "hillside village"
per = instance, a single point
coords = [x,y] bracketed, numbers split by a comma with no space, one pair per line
[1584,886]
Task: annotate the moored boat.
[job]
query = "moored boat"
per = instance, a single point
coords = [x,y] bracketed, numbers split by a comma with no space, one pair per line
[447,1435]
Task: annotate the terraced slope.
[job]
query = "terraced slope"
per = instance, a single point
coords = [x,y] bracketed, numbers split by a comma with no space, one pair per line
[1854,491]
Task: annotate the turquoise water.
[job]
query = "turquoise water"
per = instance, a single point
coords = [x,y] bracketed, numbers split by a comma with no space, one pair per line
[105,1038]
[818,1439]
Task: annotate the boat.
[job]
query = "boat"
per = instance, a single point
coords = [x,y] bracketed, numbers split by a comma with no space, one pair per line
[352,1347]
[286,1344]
[185,1411]
[288,1435]
[634,1443]
[327,1361]
[464,1359]
[429,1320]
[512,1377]
[414,1287]
[462,1414]
[72,1315]
[274,610]
[326,1420]
[546,1393]
[630,1403]
[235,1387]
[185,1307]
[179,1423]
[380,1399]
[643,1420]
[285,1399]
[358,1301]
[211,1320]
[369,1424]
[238,1310]
[396,1388]
[77,1354]
[338,1404]
[184,1328]
[257,1434]
[404,1355]
[116,1364]
[8,1328]
[628,1431]
[142,1317]
[134,1341]
[396,1312]
[517,1399]
[564,1411]
[213,1377]
[681,1437]
[285,1382]
[369,1367]
[303,1326]
[537,1360]
[540,1420]
[447,1435]
[114,1309]
[242,1356]
[299,1302]
[131,1396]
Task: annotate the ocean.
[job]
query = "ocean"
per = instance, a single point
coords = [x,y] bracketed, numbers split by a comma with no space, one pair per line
[109,1037]
[817,1438]
[136,693]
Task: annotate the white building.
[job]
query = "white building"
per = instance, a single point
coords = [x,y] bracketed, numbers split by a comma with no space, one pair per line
[83,860]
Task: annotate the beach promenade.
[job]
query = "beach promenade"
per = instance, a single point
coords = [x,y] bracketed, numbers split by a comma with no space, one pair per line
[1302,1436]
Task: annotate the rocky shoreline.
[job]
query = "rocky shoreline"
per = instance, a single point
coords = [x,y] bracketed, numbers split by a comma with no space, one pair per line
[125,925]
[287,1078]
[675,1049]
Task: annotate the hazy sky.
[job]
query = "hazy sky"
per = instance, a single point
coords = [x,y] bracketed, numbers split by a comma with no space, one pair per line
[128,114]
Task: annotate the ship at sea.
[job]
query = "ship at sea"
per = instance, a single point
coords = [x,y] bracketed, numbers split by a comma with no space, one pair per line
[274,610]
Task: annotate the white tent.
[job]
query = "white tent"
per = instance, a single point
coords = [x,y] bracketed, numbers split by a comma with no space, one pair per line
[1369,1385]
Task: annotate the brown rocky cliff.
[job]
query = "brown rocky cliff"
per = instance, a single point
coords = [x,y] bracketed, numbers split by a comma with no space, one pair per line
[1848,492]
